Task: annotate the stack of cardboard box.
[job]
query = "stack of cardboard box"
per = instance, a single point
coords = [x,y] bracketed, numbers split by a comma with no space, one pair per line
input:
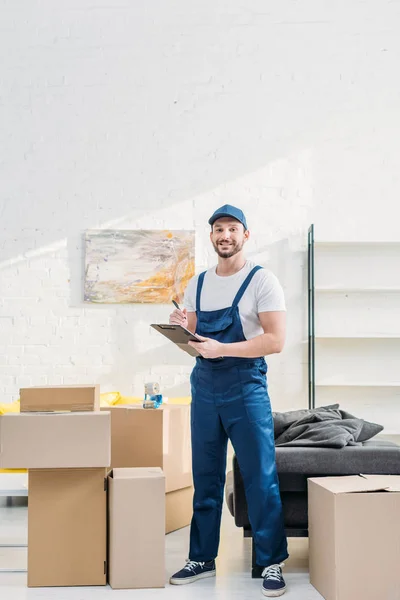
[142,437]
[68,455]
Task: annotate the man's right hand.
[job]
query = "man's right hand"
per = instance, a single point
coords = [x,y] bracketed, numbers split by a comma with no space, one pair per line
[179,317]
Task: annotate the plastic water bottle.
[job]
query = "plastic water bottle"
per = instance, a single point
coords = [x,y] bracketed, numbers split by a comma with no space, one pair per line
[152,396]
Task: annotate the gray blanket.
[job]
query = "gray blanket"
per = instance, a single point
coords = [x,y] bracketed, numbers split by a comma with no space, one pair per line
[326,426]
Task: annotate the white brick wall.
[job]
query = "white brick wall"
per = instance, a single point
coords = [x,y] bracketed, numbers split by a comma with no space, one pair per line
[150,115]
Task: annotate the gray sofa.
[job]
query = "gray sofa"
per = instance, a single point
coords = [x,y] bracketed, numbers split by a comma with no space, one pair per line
[295,465]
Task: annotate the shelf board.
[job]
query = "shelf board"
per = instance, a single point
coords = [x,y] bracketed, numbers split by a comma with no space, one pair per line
[356,289]
[371,336]
[395,384]
[338,243]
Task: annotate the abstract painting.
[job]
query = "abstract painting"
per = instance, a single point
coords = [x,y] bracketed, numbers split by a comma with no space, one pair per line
[123,266]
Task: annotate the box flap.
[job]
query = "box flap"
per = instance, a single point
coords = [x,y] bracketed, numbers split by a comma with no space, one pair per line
[391,483]
[137,472]
[62,398]
[50,415]
[357,483]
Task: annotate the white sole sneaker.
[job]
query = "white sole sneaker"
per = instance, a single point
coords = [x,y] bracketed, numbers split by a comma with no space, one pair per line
[273,593]
[186,580]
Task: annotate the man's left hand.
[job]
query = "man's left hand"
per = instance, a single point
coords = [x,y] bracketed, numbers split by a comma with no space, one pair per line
[208,348]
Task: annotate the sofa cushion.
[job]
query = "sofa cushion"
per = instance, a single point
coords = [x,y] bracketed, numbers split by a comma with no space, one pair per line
[372,457]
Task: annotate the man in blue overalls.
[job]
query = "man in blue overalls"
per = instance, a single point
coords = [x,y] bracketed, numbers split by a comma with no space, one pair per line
[238,310]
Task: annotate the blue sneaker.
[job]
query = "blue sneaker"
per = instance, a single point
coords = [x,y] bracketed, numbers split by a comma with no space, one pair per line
[273,585]
[193,571]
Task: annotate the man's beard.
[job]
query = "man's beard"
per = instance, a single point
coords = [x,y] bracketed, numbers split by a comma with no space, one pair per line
[234,248]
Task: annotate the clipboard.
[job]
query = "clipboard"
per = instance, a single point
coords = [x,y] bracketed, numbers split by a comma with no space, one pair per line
[179,336]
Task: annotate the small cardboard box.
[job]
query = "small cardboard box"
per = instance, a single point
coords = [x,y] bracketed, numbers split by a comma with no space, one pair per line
[67,527]
[61,397]
[55,440]
[145,437]
[354,536]
[136,515]
[178,509]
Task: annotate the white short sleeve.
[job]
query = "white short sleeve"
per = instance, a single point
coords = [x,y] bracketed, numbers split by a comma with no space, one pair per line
[270,296]
[189,299]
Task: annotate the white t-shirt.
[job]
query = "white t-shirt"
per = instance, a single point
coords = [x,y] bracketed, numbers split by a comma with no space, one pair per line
[264,294]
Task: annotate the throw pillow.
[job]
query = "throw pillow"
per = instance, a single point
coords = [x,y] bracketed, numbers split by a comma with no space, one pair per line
[368,431]
[283,420]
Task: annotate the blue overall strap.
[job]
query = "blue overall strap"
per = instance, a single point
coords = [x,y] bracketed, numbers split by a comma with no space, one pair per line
[200,282]
[244,286]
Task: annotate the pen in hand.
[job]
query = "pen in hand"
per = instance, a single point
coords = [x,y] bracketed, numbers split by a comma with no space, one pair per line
[179,308]
[181,318]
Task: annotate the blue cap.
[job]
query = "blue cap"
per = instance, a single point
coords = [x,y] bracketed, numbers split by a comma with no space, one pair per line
[229,211]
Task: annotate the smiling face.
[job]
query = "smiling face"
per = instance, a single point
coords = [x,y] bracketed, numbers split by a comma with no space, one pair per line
[228,237]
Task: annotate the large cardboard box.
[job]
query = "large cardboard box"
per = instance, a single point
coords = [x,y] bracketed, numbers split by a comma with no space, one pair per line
[51,440]
[67,527]
[354,530]
[61,397]
[136,528]
[178,509]
[145,437]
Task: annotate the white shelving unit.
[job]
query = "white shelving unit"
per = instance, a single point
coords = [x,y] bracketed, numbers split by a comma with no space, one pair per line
[354,336]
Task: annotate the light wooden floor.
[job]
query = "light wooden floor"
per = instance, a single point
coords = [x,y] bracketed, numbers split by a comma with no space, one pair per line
[233,567]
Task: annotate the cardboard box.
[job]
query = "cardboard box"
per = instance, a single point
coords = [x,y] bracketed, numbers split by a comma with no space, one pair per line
[136,528]
[51,440]
[354,530]
[67,527]
[178,509]
[145,437]
[61,397]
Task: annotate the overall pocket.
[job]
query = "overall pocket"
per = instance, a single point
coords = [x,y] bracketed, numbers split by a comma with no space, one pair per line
[255,395]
